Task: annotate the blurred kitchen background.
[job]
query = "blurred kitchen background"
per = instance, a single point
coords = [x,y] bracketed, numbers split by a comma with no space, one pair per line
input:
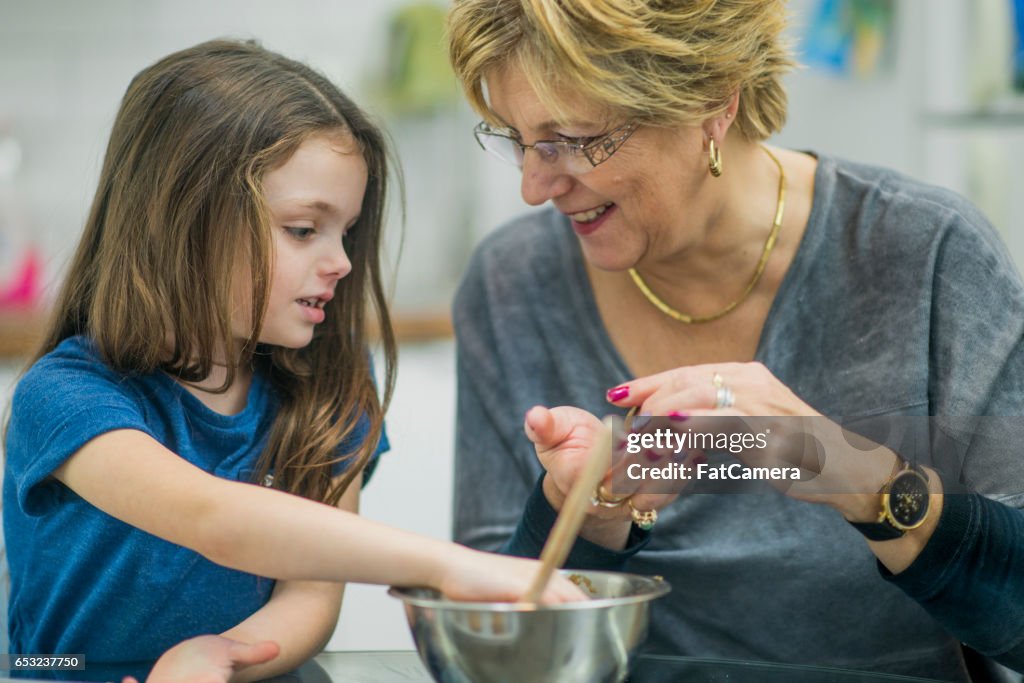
[934,88]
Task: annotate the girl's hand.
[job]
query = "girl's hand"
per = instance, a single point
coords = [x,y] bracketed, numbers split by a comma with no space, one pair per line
[562,437]
[208,659]
[476,576]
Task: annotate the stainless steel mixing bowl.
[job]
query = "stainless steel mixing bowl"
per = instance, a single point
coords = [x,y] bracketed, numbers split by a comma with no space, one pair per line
[590,642]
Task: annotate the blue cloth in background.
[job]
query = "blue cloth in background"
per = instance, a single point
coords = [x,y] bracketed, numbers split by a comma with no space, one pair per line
[848,37]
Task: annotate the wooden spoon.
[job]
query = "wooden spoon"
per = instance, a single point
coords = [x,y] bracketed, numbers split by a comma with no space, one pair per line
[570,518]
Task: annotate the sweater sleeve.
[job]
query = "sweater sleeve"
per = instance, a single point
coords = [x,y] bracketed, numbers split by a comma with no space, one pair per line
[973,565]
[970,575]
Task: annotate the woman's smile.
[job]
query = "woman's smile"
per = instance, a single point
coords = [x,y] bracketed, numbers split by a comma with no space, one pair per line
[587,222]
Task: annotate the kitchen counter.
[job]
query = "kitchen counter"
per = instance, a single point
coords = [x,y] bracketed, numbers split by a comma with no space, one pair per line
[401,667]
[405,667]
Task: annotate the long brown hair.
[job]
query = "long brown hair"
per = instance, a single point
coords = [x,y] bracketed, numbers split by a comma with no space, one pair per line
[180,199]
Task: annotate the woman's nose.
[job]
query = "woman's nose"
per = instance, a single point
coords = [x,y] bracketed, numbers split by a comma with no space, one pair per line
[542,180]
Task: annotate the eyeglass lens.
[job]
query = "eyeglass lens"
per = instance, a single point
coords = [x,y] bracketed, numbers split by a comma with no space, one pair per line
[512,152]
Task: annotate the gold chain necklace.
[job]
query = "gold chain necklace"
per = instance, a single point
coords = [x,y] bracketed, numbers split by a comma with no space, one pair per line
[768,246]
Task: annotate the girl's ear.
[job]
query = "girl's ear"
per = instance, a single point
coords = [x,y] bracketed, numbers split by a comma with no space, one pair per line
[717,126]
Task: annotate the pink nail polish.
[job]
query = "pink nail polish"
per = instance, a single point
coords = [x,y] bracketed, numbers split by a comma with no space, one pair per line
[653,456]
[676,416]
[618,393]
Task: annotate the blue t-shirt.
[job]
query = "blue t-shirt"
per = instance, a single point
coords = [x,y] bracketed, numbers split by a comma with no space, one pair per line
[83,581]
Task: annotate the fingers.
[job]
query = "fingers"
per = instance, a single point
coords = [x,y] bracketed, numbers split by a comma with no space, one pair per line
[667,401]
[689,385]
[694,387]
[560,590]
[635,392]
[549,427]
[540,426]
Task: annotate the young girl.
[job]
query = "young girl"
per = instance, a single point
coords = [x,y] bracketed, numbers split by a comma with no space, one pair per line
[202,412]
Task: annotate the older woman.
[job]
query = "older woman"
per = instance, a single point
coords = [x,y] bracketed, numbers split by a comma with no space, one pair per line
[736,278]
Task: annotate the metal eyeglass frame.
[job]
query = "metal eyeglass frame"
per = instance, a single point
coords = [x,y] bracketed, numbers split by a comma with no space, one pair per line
[596,151]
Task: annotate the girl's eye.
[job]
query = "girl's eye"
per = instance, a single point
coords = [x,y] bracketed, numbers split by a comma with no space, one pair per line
[300,233]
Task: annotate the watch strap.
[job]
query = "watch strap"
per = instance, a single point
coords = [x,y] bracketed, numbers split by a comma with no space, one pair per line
[878,531]
[883,529]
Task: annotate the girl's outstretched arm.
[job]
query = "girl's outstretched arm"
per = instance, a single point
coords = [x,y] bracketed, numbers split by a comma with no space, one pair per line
[300,617]
[131,476]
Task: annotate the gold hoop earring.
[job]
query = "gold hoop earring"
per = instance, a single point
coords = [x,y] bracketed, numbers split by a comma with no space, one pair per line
[714,158]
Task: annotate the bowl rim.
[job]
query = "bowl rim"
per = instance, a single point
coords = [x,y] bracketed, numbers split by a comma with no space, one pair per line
[658,587]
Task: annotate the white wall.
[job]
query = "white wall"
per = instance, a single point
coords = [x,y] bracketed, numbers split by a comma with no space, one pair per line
[871,119]
[65,65]
[942,110]
[411,489]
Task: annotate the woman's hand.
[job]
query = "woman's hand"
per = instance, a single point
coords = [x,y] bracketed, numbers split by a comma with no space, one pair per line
[838,468]
[563,437]
[694,390]
[718,398]
[736,397]
[476,576]
[208,659]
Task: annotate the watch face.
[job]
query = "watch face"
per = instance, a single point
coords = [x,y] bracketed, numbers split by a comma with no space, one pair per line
[907,500]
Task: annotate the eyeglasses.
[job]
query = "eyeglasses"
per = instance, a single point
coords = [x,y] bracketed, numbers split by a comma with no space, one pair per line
[572,156]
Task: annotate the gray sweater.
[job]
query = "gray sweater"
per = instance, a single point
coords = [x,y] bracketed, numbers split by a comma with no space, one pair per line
[901,300]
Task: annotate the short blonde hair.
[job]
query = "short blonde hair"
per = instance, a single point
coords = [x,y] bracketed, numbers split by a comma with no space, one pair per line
[657,62]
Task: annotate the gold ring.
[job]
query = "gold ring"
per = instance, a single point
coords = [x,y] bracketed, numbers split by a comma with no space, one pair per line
[645,519]
[602,499]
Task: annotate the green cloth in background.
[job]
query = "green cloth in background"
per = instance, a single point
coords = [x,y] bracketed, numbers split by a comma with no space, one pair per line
[418,80]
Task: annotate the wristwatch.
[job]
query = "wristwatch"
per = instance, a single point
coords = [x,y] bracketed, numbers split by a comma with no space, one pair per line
[905,503]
